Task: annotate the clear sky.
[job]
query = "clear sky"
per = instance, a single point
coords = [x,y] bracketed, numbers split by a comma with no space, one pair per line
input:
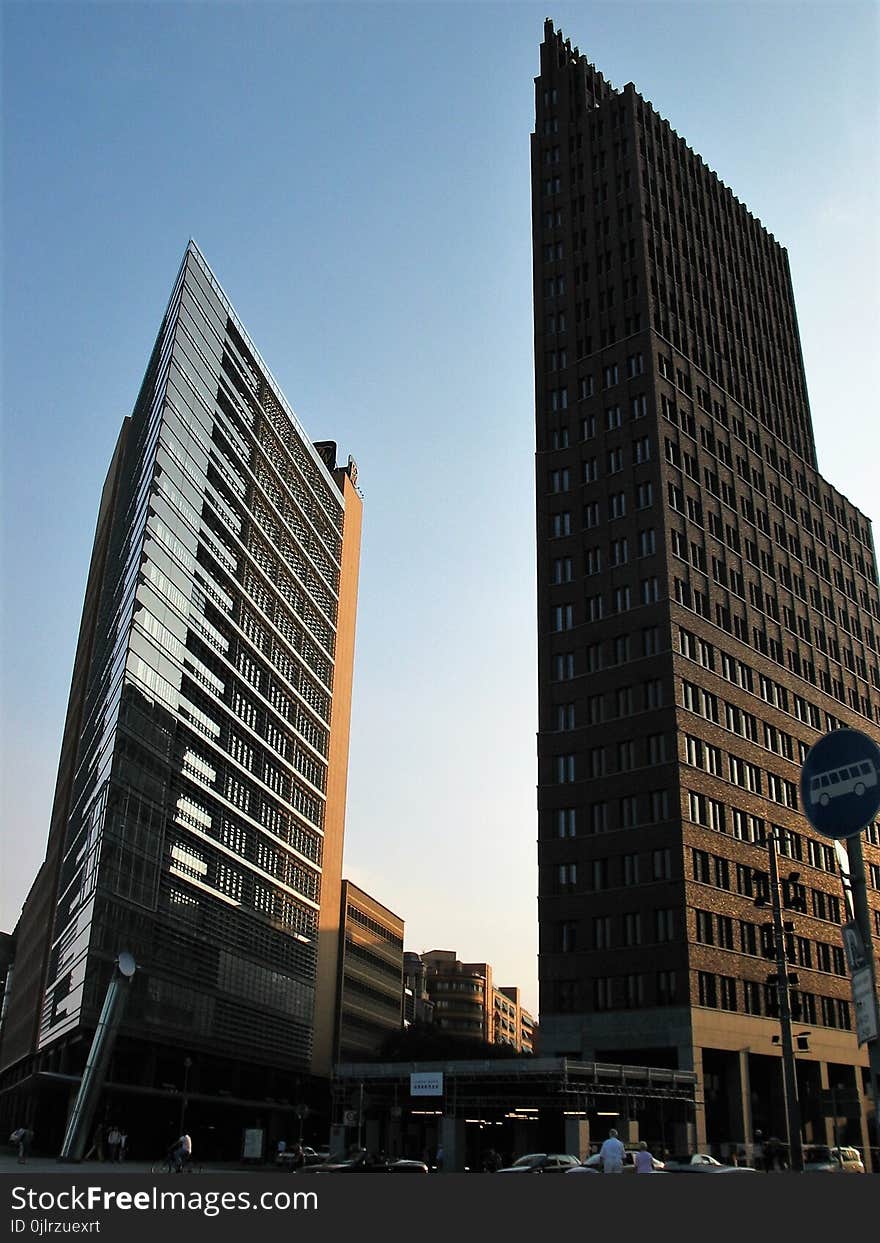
[358,177]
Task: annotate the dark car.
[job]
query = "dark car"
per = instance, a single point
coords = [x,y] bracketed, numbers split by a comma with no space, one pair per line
[366,1163]
[542,1163]
[359,1163]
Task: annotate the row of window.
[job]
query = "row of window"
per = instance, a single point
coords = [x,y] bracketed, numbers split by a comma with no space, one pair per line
[628,870]
[561,524]
[715,870]
[632,928]
[723,992]
[619,600]
[757,940]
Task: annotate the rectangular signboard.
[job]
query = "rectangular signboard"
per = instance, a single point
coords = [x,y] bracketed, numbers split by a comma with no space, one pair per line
[865,1005]
[426,1084]
[853,945]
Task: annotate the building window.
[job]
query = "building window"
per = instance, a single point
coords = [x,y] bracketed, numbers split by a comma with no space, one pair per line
[568,936]
[727,989]
[661,864]
[563,666]
[705,928]
[629,811]
[647,542]
[707,991]
[565,771]
[566,876]
[666,988]
[634,991]
[566,822]
[664,925]
[562,617]
[603,997]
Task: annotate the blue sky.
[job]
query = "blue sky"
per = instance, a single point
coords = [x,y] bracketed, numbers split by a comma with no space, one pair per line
[358,177]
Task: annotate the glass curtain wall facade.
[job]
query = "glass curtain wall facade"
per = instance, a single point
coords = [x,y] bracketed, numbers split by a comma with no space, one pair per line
[198,808]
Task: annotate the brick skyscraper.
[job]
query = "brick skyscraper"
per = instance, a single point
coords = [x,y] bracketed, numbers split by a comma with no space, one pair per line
[707,607]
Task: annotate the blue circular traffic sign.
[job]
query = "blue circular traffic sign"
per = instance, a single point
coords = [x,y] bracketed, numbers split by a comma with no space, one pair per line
[840,783]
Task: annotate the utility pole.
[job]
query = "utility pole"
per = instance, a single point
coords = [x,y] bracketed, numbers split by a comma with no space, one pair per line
[187,1063]
[789,1071]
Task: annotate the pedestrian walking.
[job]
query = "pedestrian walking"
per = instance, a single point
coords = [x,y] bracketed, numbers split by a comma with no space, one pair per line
[643,1160]
[611,1154]
[22,1138]
[123,1145]
[113,1143]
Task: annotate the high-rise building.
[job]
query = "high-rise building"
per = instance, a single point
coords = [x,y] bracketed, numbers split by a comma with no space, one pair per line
[707,608]
[199,809]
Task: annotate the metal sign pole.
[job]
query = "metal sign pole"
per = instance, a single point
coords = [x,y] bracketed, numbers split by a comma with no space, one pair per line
[789,1071]
[863,919]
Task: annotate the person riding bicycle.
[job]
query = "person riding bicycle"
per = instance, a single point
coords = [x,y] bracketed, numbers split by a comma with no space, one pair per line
[181,1153]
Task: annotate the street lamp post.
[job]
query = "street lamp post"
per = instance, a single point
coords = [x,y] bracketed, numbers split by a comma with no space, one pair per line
[789,1072]
[187,1063]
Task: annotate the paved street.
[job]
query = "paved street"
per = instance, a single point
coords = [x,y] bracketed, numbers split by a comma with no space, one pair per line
[50,1165]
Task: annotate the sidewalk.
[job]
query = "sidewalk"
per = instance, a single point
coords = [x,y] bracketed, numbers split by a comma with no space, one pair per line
[9,1165]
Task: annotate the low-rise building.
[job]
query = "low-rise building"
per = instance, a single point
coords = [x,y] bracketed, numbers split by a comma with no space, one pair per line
[370,975]
[467,1003]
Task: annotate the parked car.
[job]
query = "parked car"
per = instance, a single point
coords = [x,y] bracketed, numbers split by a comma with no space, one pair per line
[702,1163]
[310,1156]
[542,1163]
[820,1159]
[366,1163]
[595,1162]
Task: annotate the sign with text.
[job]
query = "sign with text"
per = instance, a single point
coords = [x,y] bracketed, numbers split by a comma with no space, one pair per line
[252,1144]
[865,1005]
[430,1084]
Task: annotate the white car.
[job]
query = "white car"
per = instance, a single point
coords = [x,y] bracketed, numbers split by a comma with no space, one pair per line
[543,1163]
[702,1163]
[594,1163]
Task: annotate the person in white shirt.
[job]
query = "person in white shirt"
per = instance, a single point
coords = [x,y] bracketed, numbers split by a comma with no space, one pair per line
[611,1154]
[643,1160]
[182,1152]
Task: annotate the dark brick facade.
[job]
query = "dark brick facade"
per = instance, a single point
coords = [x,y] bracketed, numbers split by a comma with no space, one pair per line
[707,608]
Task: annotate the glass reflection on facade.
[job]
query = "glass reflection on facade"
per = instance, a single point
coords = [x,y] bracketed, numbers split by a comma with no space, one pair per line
[198,800]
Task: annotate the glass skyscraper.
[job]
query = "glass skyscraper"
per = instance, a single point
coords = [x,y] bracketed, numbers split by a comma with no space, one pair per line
[199,811]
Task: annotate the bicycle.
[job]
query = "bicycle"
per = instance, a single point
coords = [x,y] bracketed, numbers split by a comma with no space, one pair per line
[170,1165]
